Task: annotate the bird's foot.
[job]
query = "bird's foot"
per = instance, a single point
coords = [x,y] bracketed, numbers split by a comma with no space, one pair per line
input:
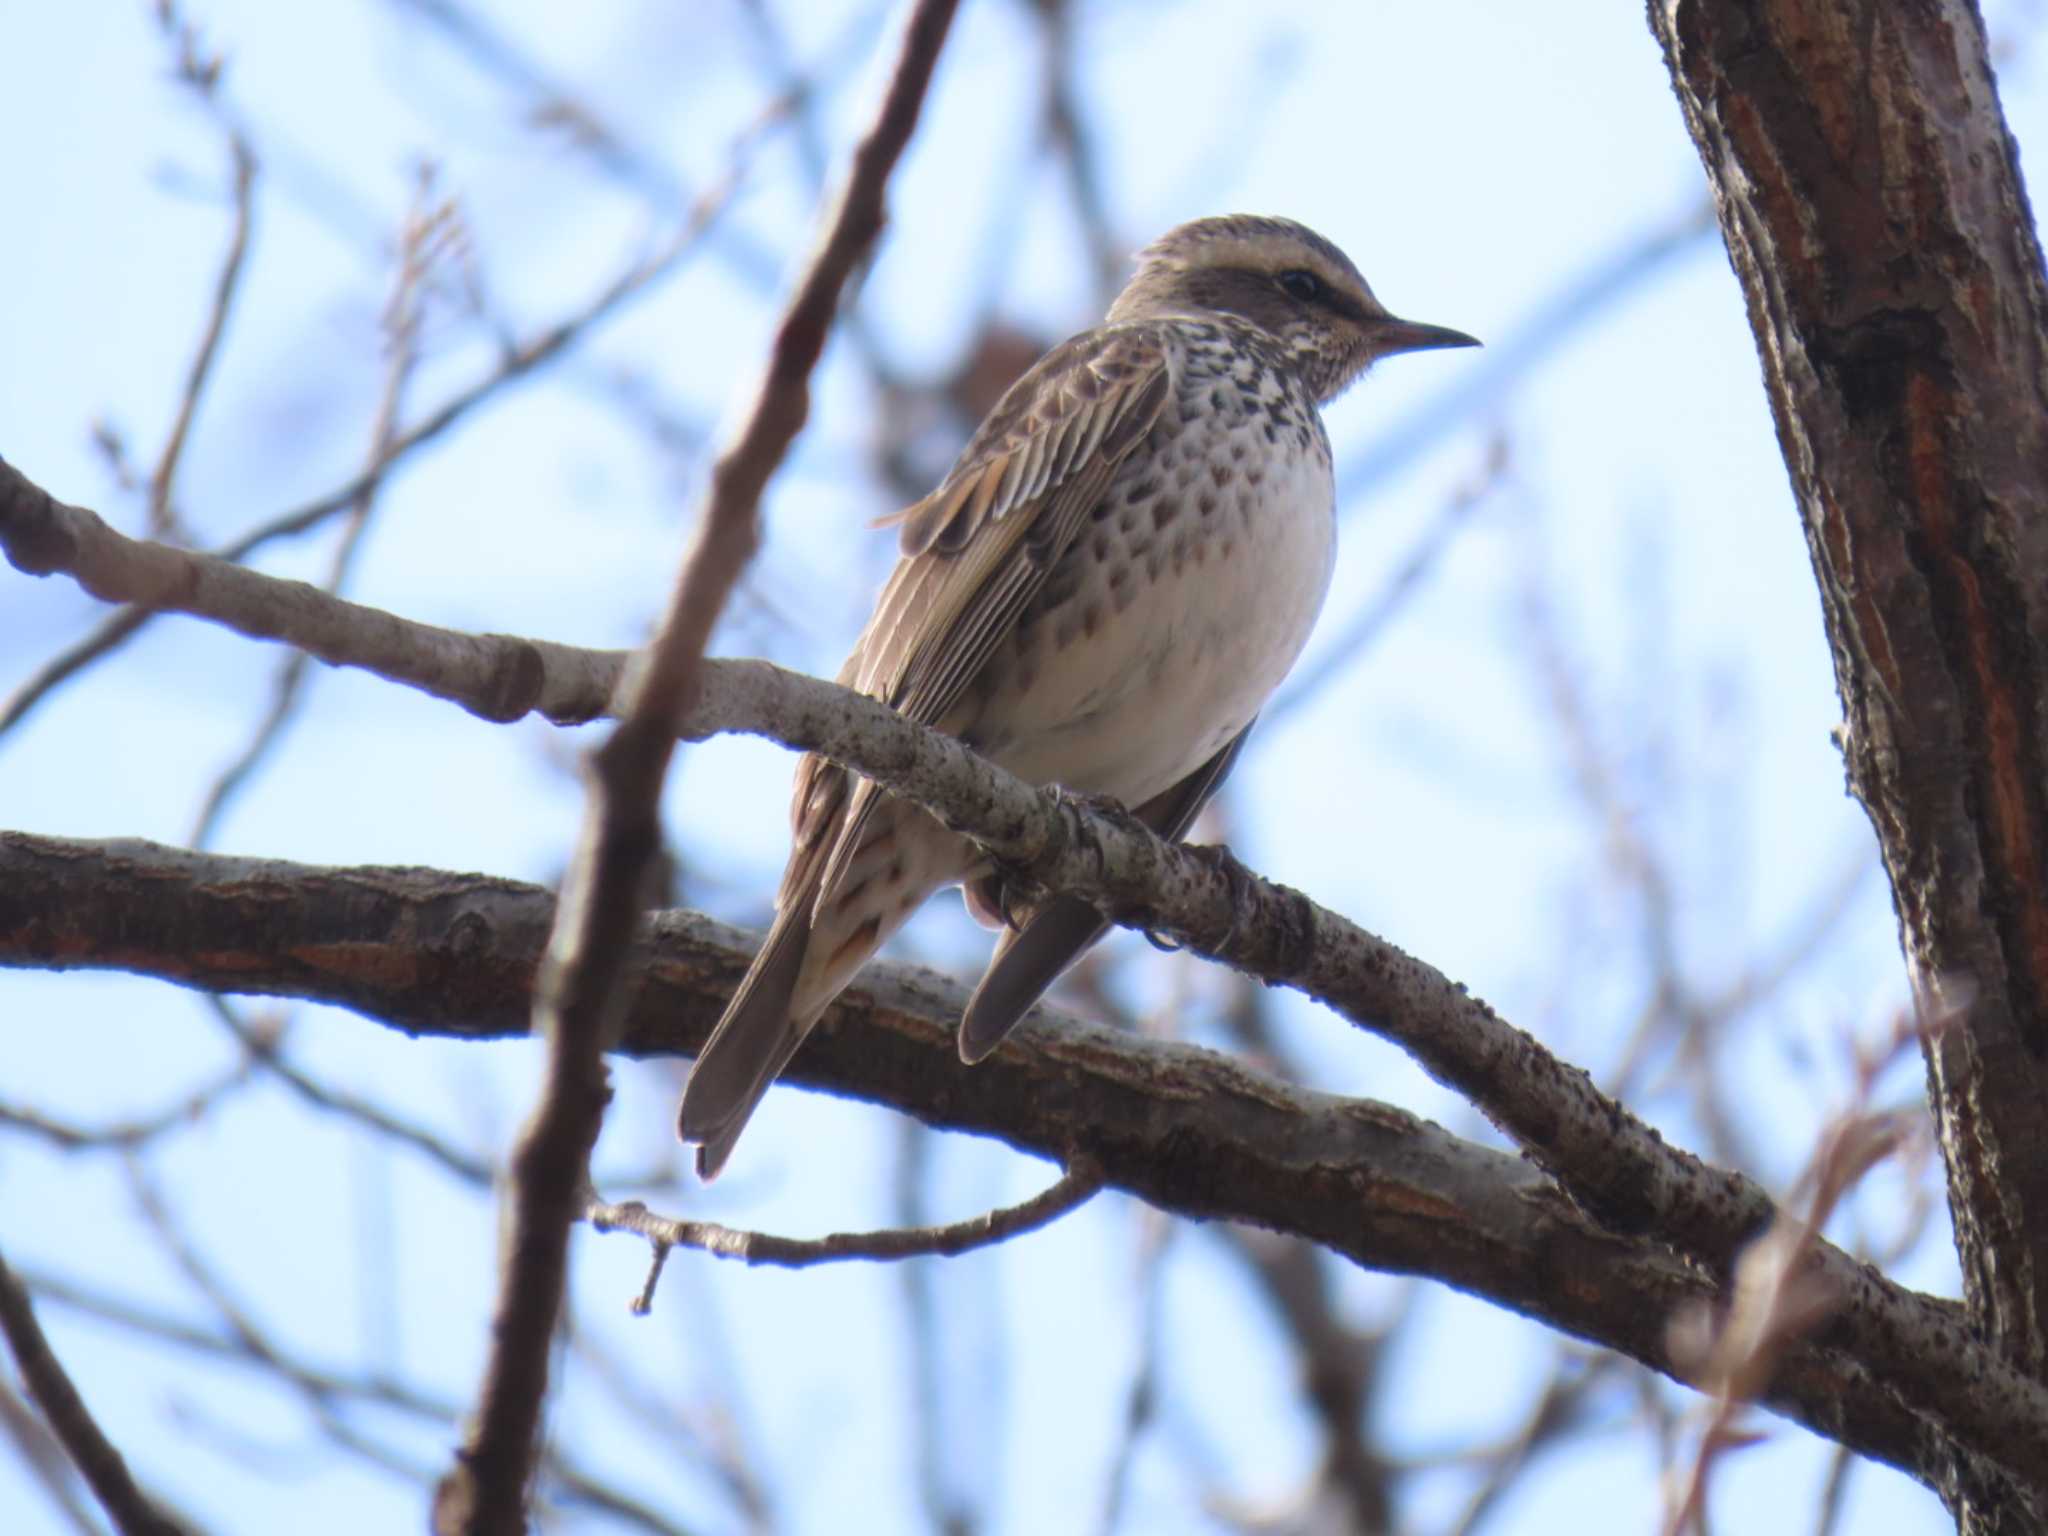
[1087,800]
[1218,857]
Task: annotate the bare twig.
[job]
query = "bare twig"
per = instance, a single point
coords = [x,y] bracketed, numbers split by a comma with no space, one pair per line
[585,981]
[705,1431]
[429,228]
[516,363]
[263,1048]
[43,1454]
[1558,1409]
[162,513]
[1841,1467]
[487,675]
[126,1135]
[938,1474]
[1780,1292]
[1673,1007]
[1156,1230]
[102,1466]
[1075,1188]
[327,1393]
[551,103]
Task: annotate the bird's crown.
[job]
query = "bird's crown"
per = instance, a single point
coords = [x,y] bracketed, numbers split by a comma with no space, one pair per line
[1282,280]
[1247,242]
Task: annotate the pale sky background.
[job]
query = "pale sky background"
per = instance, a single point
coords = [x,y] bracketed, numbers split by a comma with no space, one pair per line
[1473,156]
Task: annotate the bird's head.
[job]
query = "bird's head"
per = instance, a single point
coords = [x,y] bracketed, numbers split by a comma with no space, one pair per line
[1284,279]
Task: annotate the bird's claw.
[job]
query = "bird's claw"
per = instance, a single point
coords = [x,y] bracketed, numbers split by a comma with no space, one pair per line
[1107,806]
[1219,857]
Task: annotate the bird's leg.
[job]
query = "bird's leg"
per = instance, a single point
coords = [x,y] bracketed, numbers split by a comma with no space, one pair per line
[1079,803]
[1016,907]
[1218,857]
[1087,800]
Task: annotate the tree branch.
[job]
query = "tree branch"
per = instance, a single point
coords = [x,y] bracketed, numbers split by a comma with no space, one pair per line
[1891,1373]
[587,976]
[83,1440]
[1074,1188]
[1610,1161]
[1871,201]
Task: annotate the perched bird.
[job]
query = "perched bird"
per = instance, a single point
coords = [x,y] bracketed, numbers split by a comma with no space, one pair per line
[1123,564]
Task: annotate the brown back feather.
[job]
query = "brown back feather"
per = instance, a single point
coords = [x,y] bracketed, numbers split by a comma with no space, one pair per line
[978,549]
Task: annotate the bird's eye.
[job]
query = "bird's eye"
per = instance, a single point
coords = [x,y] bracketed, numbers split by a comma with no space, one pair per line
[1301,285]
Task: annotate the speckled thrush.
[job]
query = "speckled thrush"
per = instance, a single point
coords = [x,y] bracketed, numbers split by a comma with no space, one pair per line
[1102,594]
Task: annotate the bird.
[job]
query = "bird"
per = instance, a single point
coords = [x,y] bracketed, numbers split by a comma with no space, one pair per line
[1115,575]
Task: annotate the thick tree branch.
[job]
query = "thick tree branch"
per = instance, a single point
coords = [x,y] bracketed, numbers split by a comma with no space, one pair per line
[1892,1373]
[1615,1165]
[1610,1161]
[1870,197]
[498,677]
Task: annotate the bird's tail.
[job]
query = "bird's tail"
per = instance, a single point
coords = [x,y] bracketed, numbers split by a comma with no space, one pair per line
[842,897]
[1027,961]
[1030,958]
[751,1045]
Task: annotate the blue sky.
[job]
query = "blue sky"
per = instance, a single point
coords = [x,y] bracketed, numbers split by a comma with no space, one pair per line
[1474,158]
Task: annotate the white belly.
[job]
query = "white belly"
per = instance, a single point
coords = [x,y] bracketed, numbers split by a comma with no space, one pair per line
[1215,613]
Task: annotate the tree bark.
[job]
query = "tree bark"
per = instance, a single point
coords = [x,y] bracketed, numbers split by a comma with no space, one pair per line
[1871,201]
[1886,1372]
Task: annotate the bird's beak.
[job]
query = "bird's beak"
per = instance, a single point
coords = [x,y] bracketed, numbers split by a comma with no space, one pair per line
[1392,335]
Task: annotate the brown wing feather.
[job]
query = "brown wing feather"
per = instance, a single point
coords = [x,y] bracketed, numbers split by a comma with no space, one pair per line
[979,547]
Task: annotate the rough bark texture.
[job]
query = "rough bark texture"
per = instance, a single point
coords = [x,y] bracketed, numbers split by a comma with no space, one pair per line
[1890,1374]
[1871,202]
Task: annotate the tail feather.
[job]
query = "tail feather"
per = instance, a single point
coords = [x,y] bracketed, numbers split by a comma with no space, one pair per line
[1030,959]
[1027,961]
[752,1043]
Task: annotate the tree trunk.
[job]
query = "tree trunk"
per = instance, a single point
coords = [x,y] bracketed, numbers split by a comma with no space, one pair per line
[1872,205]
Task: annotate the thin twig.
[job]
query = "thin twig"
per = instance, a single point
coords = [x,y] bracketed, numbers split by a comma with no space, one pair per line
[1780,1294]
[929,1347]
[1156,1230]
[102,1466]
[263,1048]
[585,980]
[327,1393]
[429,228]
[1559,1409]
[1075,1188]
[514,364]
[162,514]
[127,1135]
[39,1449]
[1833,1492]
